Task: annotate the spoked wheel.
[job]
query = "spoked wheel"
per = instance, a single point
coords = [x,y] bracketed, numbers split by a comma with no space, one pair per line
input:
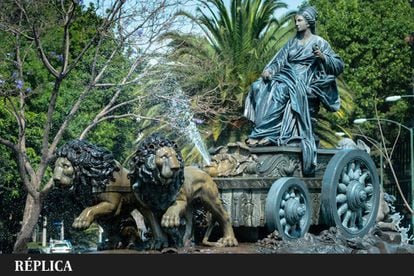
[350,193]
[288,208]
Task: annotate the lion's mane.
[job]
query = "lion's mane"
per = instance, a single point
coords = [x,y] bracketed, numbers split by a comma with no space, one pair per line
[146,176]
[94,166]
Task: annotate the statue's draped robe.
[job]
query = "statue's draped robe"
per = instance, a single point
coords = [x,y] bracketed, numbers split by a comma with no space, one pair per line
[279,108]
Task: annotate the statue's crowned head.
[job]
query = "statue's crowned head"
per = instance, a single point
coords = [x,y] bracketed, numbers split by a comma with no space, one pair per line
[310,14]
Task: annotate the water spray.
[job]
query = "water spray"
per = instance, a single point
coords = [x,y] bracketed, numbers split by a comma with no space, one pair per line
[182,118]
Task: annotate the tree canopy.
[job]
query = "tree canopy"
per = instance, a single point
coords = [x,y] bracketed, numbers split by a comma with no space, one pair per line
[369,35]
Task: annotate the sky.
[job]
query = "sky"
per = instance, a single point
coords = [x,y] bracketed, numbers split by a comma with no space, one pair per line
[293,4]
[192,5]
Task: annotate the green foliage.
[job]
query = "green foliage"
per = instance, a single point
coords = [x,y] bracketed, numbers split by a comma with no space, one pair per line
[40,82]
[329,123]
[11,193]
[218,68]
[241,34]
[11,200]
[28,89]
[369,36]
[107,134]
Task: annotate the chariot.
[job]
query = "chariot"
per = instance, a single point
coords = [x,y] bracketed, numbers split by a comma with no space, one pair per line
[264,187]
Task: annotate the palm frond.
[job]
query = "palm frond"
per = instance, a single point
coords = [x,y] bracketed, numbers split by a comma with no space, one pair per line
[239,39]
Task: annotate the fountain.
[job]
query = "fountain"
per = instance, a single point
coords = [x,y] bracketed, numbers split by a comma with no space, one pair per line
[182,118]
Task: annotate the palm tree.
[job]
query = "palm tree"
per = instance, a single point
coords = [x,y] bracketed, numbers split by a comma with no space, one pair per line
[238,42]
[244,35]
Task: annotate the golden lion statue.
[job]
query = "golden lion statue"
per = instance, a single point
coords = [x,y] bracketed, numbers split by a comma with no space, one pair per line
[164,185]
[100,184]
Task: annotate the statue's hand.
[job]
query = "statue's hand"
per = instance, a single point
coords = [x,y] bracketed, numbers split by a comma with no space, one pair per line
[318,54]
[266,75]
[171,218]
[84,220]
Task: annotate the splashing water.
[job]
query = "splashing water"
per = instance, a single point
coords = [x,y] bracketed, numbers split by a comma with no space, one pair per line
[396,220]
[195,137]
[182,118]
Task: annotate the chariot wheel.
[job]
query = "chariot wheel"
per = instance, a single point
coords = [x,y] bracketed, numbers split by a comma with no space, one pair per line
[350,193]
[288,208]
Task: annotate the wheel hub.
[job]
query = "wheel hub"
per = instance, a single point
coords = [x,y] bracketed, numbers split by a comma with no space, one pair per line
[356,195]
[294,211]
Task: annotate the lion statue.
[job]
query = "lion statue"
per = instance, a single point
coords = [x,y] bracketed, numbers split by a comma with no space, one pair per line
[100,185]
[386,209]
[162,183]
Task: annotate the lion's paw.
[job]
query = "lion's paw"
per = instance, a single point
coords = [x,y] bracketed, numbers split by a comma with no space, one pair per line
[157,243]
[229,241]
[171,218]
[82,222]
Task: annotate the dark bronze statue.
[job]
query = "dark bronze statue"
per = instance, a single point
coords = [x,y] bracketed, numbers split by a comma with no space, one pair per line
[164,192]
[284,101]
[164,185]
[100,184]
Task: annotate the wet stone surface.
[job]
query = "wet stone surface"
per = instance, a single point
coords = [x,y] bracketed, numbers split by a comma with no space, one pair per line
[329,241]
[333,242]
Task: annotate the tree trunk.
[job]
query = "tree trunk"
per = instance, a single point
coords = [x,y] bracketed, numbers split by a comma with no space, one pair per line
[30,218]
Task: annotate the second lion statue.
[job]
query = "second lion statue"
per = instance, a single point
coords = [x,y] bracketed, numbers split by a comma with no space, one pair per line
[162,184]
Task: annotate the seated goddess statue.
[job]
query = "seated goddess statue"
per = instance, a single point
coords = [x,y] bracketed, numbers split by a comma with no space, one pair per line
[283,102]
